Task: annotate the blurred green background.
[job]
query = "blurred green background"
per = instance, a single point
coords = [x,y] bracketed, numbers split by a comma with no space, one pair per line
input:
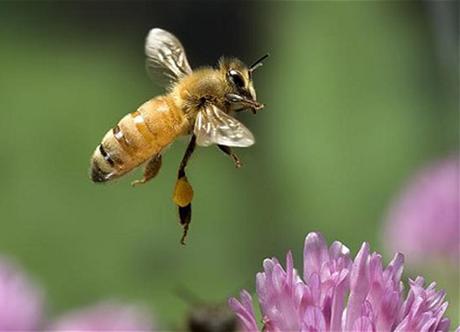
[358,95]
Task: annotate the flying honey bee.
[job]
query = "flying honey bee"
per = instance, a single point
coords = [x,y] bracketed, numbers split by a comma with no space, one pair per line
[197,103]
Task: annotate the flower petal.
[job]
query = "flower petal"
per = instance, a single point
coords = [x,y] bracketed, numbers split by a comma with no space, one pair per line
[106,316]
[315,254]
[244,311]
[313,319]
[359,285]
[318,302]
[21,302]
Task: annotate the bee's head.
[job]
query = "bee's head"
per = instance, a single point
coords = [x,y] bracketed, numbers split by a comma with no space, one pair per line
[238,77]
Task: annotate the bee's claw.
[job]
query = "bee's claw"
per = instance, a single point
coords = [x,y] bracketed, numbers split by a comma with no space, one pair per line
[257,107]
[237,162]
[137,182]
[184,235]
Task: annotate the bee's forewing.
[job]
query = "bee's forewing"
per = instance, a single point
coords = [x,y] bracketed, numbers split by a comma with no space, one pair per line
[213,126]
[165,56]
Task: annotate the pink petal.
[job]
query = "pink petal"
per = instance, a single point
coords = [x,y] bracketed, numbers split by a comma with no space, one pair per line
[363,324]
[397,266]
[423,220]
[338,304]
[315,254]
[21,302]
[359,284]
[313,319]
[107,316]
[244,311]
[318,302]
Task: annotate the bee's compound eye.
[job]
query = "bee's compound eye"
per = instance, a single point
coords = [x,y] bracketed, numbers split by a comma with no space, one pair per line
[236,78]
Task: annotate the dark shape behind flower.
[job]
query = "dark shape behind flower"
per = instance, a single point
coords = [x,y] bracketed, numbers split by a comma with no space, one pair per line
[424,221]
[338,294]
[210,317]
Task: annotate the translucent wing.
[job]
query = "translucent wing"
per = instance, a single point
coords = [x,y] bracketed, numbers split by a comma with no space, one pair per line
[213,126]
[165,56]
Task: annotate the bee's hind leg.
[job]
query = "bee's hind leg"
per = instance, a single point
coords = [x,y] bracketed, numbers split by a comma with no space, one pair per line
[228,151]
[151,170]
[183,192]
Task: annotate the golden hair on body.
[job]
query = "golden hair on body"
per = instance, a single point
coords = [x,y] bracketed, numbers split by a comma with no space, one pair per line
[197,103]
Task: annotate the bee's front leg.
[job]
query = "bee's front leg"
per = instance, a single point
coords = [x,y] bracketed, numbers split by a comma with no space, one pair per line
[228,151]
[244,102]
[151,170]
[183,192]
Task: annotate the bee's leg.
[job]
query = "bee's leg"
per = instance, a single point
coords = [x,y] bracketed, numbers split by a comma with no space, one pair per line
[248,104]
[151,170]
[228,151]
[183,192]
[185,215]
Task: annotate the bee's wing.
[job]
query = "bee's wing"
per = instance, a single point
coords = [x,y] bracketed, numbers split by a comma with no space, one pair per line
[213,126]
[165,56]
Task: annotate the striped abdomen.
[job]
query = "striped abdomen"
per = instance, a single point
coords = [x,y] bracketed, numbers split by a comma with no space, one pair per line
[137,137]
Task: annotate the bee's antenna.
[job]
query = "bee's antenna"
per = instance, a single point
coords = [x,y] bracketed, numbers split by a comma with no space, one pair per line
[258,62]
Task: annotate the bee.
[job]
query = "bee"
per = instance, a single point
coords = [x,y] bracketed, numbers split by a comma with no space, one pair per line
[197,103]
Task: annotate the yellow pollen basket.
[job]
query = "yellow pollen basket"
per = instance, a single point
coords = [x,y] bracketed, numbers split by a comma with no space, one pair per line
[183,192]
